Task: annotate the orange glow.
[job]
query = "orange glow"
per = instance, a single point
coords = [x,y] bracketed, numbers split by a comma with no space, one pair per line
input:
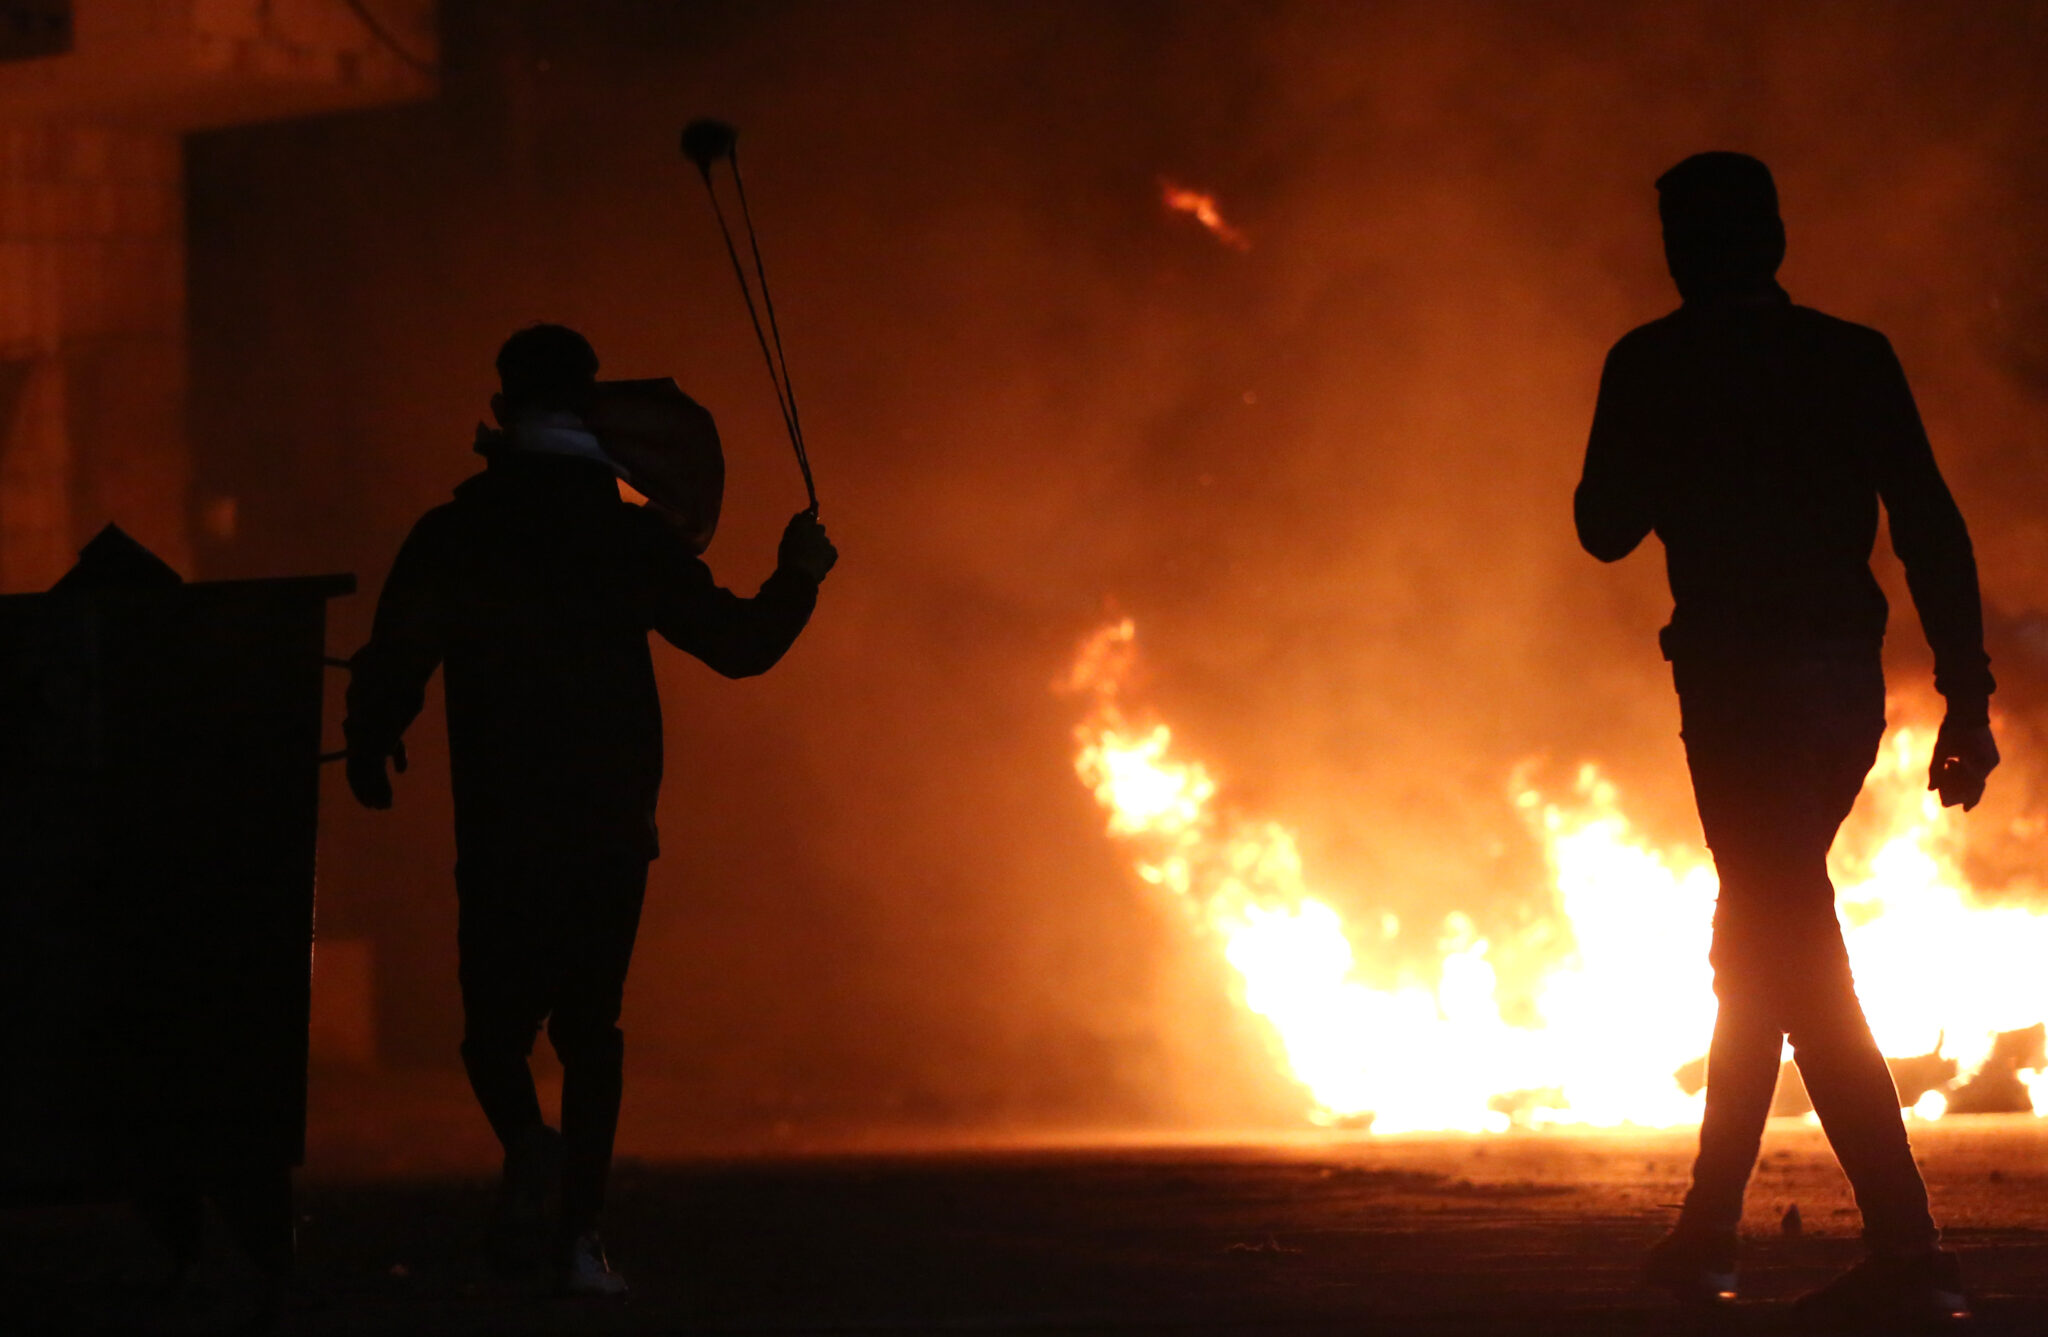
[1201,206]
[1622,1001]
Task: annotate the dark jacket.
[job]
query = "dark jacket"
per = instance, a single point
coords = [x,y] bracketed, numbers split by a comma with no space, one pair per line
[536,588]
[1756,438]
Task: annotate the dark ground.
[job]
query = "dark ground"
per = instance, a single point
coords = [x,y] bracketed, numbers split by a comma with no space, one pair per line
[1524,1233]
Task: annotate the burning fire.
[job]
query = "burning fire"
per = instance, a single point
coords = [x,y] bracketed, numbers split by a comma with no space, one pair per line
[1201,206]
[1616,1012]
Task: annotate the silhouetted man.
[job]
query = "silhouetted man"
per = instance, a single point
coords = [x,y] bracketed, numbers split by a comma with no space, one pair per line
[1756,438]
[536,588]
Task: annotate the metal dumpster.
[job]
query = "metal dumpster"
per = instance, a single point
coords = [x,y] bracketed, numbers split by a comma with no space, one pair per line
[159,788]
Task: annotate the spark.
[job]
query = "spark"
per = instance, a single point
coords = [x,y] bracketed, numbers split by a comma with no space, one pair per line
[1201,206]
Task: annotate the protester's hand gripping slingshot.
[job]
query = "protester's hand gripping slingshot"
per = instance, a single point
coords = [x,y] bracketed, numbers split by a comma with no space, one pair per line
[705,143]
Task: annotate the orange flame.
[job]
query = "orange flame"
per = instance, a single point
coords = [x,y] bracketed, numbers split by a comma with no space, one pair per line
[1615,1013]
[1201,206]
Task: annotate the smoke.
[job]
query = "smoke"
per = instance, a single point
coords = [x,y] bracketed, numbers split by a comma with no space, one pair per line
[1329,474]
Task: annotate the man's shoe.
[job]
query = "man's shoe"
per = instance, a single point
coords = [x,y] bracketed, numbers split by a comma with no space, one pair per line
[523,1220]
[1692,1266]
[1889,1291]
[587,1272]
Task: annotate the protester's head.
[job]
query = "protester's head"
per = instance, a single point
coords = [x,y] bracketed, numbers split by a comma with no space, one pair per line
[545,369]
[1722,233]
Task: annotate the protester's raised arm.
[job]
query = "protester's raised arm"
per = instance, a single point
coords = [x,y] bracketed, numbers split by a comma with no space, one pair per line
[736,636]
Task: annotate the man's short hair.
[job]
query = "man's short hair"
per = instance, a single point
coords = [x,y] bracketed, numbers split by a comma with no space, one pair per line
[549,368]
[1718,191]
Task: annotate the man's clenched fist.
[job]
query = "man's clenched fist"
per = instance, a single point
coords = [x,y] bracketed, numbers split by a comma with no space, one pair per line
[367,779]
[805,547]
[1964,757]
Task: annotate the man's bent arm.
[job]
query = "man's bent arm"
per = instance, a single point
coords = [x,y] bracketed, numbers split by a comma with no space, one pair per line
[388,676]
[1612,505]
[1932,542]
[735,636]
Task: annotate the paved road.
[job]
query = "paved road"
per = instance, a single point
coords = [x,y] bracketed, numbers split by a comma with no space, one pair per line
[1524,1233]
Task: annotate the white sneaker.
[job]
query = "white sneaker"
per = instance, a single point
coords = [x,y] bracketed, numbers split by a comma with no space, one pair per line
[588,1273]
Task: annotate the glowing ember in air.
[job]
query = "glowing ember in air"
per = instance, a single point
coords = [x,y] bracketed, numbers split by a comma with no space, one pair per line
[1202,207]
[1623,998]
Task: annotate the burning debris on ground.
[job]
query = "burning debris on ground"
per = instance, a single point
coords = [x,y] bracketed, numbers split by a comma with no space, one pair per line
[1436,1050]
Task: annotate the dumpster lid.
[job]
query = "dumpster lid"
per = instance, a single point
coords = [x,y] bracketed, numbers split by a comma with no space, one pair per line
[116,563]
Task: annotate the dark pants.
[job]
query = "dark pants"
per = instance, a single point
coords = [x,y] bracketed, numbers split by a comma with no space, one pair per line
[1778,751]
[549,937]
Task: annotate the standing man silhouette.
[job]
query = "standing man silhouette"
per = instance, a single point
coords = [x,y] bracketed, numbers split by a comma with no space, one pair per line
[1756,439]
[536,588]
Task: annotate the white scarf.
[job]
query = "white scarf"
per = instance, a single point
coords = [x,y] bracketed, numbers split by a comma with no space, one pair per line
[555,433]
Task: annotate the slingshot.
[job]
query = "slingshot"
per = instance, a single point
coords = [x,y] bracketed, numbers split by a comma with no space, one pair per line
[704,143]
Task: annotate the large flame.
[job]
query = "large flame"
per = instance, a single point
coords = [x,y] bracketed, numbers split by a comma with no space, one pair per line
[1616,1011]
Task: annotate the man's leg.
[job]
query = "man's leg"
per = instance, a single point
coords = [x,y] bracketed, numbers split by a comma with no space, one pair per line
[504,993]
[505,986]
[1742,1077]
[605,903]
[1722,754]
[1858,1105]
[1845,1074]
[1907,1277]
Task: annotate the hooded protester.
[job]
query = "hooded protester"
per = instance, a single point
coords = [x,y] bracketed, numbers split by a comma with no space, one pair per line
[535,590]
[1756,438]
